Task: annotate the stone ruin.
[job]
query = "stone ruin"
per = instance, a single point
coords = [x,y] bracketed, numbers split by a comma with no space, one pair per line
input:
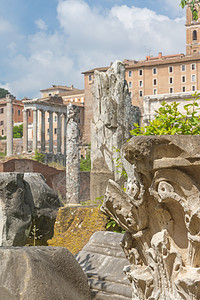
[113,119]
[160,212]
[26,200]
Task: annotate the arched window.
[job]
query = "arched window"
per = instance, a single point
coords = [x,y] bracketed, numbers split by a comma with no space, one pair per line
[194,35]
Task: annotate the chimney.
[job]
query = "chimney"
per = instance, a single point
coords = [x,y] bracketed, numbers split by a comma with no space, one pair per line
[160,55]
[72,86]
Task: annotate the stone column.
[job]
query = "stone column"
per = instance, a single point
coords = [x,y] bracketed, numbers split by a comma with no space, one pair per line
[42,131]
[64,132]
[72,158]
[25,131]
[9,113]
[51,132]
[34,129]
[58,133]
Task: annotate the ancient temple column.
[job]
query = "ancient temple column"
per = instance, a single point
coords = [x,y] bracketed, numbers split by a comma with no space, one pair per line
[9,113]
[64,132]
[58,132]
[72,157]
[50,132]
[34,129]
[25,131]
[42,131]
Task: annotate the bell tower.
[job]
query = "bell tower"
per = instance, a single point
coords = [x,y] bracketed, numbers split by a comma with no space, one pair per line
[192,31]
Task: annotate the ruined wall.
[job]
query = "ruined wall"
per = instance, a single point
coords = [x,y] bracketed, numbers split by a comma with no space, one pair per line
[55,178]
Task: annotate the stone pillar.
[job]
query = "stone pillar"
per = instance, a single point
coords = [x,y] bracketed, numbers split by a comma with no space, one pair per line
[42,131]
[25,131]
[58,133]
[9,113]
[50,132]
[64,131]
[34,129]
[72,157]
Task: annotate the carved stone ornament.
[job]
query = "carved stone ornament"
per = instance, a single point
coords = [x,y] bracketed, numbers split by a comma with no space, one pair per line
[160,211]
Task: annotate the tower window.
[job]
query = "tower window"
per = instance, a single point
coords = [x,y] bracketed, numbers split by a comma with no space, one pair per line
[140,83]
[154,71]
[170,69]
[193,88]
[155,91]
[183,68]
[140,72]
[154,82]
[140,93]
[129,73]
[193,67]
[171,90]
[170,80]
[194,35]
[183,79]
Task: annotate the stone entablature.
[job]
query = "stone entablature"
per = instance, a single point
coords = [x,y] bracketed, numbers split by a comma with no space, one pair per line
[160,211]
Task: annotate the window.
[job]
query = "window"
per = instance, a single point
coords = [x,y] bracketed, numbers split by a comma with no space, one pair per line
[29,113]
[1,122]
[48,131]
[130,84]
[183,68]
[170,69]
[2,110]
[2,132]
[130,94]
[194,35]
[170,80]
[129,73]
[193,67]
[183,79]
[171,90]
[183,89]
[19,112]
[140,83]
[140,72]
[55,130]
[193,78]
[155,82]
[55,119]
[155,91]
[49,94]
[90,77]
[140,93]
[154,71]
[193,88]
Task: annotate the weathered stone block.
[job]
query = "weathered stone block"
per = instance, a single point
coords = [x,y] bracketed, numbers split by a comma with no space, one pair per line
[43,273]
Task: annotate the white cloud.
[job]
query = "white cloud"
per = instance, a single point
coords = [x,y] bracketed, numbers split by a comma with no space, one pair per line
[5,26]
[41,25]
[89,38]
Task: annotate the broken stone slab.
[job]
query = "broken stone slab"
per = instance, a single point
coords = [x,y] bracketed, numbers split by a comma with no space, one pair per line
[103,260]
[160,211]
[43,273]
[26,200]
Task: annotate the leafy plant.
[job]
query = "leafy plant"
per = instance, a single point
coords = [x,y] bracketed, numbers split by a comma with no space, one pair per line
[192,6]
[38,156]
[34,235]
[3,93]
[85,163]
[113,226]
[169,120]
[18,131]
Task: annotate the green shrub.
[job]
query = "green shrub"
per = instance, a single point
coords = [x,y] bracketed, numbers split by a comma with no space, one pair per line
[38,156]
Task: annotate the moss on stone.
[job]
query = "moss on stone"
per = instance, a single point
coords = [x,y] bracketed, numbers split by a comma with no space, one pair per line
[75,225]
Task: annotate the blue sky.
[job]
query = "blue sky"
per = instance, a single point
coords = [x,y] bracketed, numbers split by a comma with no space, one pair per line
[45,42]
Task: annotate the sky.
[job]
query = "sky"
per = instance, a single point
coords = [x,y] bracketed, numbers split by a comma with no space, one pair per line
[46,42]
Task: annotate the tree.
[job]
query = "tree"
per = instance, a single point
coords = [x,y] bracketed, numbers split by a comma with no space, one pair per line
[18,131]
[3,93]
[193,8]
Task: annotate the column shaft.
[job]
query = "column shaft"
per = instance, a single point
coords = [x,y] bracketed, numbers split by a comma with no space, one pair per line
[64,133]
[42,131]
[9,100]
[34,130]
[25,131]
[50,132]
[58,133]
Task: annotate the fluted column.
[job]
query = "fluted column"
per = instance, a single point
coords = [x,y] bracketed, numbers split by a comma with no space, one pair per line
[50,132]
[64,133]
[42,131]
[34,129]
[25,131]
[58,133]
[9,100]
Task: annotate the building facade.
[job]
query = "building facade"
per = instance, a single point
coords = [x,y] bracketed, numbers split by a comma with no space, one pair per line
[159,75]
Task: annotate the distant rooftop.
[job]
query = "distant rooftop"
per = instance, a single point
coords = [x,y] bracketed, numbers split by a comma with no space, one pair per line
[59,87]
